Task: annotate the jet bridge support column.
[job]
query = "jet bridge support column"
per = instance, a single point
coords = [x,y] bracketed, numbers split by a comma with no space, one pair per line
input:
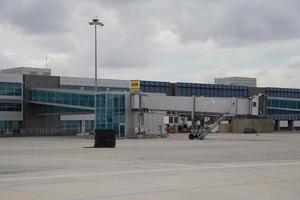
[291,126]
[82,126]
[140,115]
[277,125]
[193,112]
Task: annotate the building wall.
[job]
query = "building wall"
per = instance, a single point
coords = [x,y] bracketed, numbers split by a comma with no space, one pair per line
[11,78]
[30,115]
[261,125]
[242,81]
[225,128]
[252,91]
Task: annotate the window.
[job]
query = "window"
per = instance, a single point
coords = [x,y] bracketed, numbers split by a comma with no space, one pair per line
[84,100]
[2,125]
[175,120]
[10,89]
[89,88]
[10,107]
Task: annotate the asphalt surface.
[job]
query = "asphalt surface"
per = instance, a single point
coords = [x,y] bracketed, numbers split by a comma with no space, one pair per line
[226,166]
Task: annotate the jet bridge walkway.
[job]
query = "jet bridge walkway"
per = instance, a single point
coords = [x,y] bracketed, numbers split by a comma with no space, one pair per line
[59,98]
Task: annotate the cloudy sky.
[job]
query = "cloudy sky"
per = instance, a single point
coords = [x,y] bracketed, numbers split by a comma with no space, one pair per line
[167,40]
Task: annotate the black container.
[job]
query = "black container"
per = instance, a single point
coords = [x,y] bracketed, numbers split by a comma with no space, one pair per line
[105,138]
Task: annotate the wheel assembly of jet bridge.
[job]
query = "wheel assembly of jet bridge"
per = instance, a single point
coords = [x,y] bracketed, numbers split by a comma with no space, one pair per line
[145,105]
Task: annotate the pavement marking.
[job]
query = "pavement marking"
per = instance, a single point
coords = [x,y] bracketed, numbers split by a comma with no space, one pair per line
[158,170]
[153,162]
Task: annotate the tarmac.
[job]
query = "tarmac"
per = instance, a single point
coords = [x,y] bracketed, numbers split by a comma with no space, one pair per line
[224,166]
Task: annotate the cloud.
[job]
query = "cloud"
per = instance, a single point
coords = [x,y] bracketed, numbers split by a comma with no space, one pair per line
[35,16]
[172,40]
[294,63]
[229,22]
[5,60]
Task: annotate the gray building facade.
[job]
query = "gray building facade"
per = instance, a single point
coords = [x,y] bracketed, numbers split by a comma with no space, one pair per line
[37,103]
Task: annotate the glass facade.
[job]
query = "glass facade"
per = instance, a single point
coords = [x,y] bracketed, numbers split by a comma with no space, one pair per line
[70,125]
[10,89]
[89,126]
[110,108]
[283,92]
[16,126]
[2,126]
[283,109]
[58,109]
[210,90]
[271,111]
[74,99]
[281,115]
[10,126]
[10,107]
[155,87]
[92,88]
[284,103]
[110,112]
[73,126]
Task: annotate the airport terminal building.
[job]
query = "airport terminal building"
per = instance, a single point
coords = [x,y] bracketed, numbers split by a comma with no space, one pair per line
[33,102]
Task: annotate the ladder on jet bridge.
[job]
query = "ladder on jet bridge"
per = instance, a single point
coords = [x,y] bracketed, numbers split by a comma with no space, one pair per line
[201,134]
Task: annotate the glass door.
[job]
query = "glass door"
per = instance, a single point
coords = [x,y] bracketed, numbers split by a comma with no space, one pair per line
[8,127]
[121,130]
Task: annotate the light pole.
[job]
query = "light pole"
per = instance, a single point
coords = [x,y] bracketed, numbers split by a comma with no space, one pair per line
[95,22]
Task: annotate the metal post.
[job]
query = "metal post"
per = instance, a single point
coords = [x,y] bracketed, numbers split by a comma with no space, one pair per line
[140,113]
[96,77]
[95,22]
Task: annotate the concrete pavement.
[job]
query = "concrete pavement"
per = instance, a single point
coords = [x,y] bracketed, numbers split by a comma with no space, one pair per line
[224,166]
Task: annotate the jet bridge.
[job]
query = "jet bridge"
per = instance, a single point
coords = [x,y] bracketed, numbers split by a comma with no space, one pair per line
[222,107]
[149,102]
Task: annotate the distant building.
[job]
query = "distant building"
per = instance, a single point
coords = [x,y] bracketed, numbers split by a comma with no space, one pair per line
[28,70]
[240,81]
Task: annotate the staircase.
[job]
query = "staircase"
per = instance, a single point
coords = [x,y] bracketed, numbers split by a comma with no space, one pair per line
[211,127]
[203,133]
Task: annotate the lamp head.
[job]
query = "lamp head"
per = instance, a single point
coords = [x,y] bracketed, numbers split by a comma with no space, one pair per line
[96,21]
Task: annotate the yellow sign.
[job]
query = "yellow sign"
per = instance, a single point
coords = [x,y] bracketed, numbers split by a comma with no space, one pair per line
[135,85]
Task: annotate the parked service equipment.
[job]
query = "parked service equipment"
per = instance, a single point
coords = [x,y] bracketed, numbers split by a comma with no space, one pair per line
[105,138]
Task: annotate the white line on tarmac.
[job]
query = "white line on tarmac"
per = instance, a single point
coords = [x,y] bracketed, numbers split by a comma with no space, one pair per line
[159,170]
